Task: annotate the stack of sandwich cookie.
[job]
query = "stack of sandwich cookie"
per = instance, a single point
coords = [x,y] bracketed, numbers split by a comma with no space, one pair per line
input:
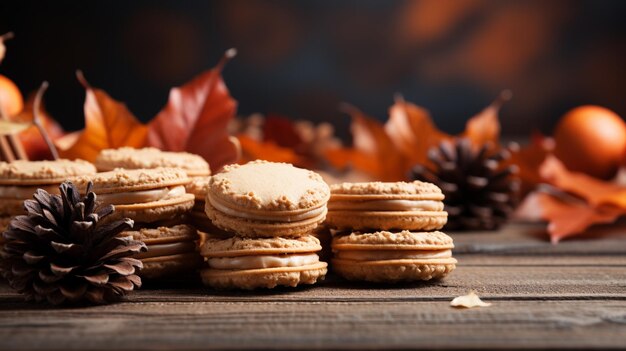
[387,232]
[171,250]
[157,201]
[20,179]
[195,166]
[270,210]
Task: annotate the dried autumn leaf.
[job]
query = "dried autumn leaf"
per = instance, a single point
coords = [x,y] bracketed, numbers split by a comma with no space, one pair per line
[470,300]
[265,150]
[485,127]
[108,124]
[10,128]
[595,191]
[374,151]
[569,218]
[413,131]
[196,119]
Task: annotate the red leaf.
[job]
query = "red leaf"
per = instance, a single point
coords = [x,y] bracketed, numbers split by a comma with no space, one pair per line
[196,118]
[282,131]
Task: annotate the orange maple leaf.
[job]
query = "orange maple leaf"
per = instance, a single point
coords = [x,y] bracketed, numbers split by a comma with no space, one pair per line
[196,119]
[374,151]
[387,152]
[413,131]
[34,144]
[108,124]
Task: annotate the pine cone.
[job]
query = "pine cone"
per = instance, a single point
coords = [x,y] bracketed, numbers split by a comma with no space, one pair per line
[61,252]
[480,188]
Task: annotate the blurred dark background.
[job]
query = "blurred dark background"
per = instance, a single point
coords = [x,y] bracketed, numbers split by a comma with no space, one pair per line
[302,58]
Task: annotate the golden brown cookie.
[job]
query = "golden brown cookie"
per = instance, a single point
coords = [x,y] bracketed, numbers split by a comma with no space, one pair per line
[265,199]
[171,250]
[390,257]
[250,263]
[144,195]
[131,158]
[20,179]
[385,206]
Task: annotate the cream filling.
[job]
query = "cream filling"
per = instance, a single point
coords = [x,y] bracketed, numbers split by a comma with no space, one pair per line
[258,262]
[386,205]
[168,249]
[25,192]
[138,197]
[275,216]
[380,255]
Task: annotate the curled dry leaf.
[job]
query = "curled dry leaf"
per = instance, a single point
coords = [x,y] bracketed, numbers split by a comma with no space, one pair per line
[108,124]
[196,119]
[576,201]
[470,300]
[569,218]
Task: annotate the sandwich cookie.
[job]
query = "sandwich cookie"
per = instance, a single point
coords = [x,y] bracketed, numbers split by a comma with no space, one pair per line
[247,263]
[144,195]
[171,250]
[148,158]
[384,206]
[390,257]
[266,199]
[20,179]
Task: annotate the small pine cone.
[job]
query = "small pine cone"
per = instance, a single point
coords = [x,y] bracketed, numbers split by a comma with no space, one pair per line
[61,252]
[480,187]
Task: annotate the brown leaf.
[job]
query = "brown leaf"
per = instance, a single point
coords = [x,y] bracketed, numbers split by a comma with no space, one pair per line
[566,219]
[196,119]
[265,150]
[485,127]
[108,124]
[413,131]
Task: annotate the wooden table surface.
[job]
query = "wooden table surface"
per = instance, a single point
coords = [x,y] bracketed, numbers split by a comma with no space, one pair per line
[572,295]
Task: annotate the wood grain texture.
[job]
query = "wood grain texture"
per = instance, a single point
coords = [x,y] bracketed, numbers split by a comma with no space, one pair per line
[572,295]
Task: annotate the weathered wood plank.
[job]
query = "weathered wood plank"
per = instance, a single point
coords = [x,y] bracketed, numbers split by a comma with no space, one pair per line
[503,282]
[531,239]
[305,325]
